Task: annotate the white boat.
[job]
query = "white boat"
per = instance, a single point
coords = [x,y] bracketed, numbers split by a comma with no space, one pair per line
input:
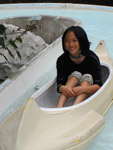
[41,126]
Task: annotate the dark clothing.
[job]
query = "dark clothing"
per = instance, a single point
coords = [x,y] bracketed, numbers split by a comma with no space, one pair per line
[90,65]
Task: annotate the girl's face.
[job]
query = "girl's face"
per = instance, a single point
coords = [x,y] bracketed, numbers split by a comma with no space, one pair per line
[72,44]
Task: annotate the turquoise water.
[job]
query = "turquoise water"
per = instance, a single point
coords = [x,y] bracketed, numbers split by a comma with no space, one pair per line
[99,26]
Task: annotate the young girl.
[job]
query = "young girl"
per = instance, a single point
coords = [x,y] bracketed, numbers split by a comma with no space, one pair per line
[78,68]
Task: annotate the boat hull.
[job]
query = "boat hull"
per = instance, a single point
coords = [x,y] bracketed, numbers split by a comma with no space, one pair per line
[67,128]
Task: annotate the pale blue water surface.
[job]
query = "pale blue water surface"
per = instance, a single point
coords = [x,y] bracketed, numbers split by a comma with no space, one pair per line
[98,24]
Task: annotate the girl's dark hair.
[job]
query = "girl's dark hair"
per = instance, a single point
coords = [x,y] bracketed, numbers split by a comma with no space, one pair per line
[81,36]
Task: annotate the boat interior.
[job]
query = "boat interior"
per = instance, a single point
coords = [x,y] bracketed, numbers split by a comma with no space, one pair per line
[49,98]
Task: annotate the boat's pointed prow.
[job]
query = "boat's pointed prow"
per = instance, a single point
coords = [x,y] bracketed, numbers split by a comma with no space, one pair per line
[101,51]
[39,130]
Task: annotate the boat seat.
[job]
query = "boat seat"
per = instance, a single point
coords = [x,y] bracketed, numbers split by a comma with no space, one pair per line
[105,73]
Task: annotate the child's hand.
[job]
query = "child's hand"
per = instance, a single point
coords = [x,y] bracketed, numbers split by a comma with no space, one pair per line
[67,91]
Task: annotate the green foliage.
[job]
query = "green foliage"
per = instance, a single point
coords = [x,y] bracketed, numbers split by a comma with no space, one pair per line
[2,29]
[11,42]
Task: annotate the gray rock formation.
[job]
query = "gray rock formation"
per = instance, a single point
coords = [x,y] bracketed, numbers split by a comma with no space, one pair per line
[31,46]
